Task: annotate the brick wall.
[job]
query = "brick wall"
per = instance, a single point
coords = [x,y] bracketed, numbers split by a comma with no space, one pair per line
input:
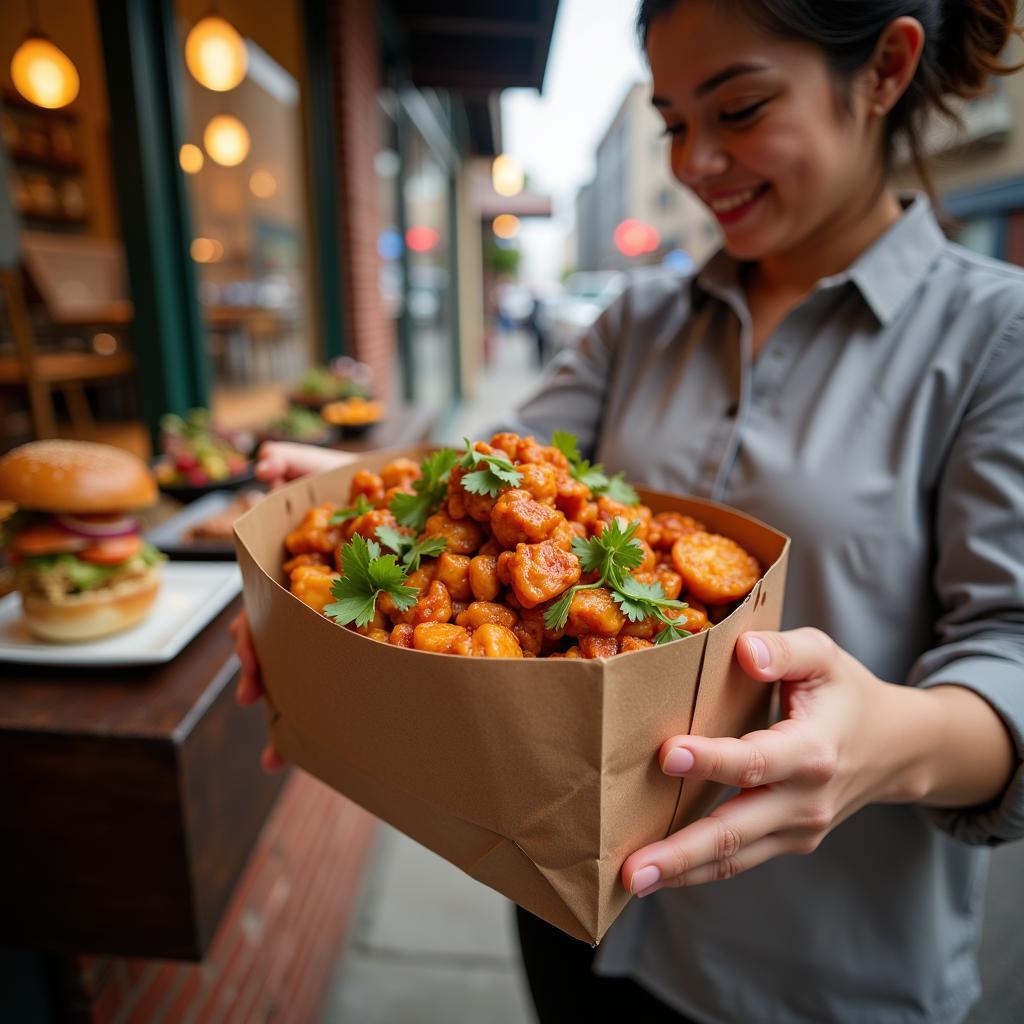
[280,938]
[370,333]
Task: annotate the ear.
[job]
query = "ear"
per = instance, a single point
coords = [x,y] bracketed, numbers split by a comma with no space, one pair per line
[893,64]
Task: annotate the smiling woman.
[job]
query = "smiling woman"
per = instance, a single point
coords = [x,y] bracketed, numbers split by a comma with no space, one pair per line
[838,368]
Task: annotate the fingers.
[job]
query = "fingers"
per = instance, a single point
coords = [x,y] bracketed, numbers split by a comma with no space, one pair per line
[757,759]
[250,683]
[271,761]
[797,655]
[714,871]
[287,460]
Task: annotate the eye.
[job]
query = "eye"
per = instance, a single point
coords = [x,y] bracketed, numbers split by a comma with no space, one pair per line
[744,114]
[674,131]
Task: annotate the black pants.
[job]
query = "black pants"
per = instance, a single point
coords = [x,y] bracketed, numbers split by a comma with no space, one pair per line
[565,990]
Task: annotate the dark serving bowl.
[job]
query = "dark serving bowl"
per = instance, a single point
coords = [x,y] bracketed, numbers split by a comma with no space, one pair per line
[189,492]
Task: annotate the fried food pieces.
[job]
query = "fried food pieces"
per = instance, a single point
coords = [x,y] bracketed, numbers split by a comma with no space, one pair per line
[497,556]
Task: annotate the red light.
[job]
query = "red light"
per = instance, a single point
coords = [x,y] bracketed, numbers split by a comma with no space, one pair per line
[420,238]
[634,237]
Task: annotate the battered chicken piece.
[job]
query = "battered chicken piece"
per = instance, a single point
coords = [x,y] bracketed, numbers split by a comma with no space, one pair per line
[311,584]
[310,558]
[442,638]
[401,635]
[463,535]
[633,643]
[399,473]
[453,571]
[594,646]
[481,612]
[313,534]
[433,605]
[667,527]
[540,480]
[366,524]
[483,577]
[369,485]
[714,568]
[518,519]
[541,571]
[571,496]
[492,640]
[594,611]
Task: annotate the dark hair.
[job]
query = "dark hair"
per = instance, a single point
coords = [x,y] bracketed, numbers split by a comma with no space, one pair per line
[963,41]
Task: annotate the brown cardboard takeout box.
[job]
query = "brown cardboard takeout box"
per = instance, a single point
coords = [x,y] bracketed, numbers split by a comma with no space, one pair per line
[538,777]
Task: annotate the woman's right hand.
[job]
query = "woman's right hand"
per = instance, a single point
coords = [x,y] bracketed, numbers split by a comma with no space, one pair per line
[250,685]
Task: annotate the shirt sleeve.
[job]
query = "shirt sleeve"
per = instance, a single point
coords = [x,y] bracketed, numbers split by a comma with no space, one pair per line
[572,392]
[979,574]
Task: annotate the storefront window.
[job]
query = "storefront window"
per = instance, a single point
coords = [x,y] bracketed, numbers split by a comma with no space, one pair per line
[243,158]
[60,239]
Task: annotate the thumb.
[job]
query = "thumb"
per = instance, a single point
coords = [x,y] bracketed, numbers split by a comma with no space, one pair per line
[796,655]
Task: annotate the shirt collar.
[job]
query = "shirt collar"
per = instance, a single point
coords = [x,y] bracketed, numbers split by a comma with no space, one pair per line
[885,274]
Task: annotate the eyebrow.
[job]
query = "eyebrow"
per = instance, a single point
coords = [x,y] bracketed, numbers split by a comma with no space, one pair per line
[712,83]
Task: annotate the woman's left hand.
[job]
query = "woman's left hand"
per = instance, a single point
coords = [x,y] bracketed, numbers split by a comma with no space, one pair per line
[841,745]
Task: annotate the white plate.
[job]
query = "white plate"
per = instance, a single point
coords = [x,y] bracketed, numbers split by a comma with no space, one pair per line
[192,593]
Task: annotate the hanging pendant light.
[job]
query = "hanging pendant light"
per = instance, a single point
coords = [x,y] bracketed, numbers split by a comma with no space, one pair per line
[226,140]
[42,72]
[215,54]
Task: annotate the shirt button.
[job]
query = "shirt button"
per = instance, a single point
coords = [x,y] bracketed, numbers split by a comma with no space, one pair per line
[778,354]
[732,410]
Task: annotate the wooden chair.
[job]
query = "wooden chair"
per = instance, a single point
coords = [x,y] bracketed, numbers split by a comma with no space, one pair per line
[81,282]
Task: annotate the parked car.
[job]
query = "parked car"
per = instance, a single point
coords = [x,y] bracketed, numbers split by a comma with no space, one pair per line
[586,295]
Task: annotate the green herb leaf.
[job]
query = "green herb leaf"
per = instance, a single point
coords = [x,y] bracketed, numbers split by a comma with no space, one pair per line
[360,508]
[408,548]
[639,600]
[671,632]
[616,489]
[492,473]
[556,616]
[593,476]
[613,553]
[366,573]
[431,489]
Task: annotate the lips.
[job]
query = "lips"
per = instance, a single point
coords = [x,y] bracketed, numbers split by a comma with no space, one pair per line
[731,206]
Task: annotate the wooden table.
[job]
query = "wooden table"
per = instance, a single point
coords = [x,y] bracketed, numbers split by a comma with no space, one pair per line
[131,797]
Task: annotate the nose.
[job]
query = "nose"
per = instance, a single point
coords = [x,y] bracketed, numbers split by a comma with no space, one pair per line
[697,158]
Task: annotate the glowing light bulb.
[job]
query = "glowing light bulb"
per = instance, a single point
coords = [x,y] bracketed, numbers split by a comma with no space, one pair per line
[215,54]
[505,225]
[262,184]
[226,140]
[44,74]
[506,176]
[191,158]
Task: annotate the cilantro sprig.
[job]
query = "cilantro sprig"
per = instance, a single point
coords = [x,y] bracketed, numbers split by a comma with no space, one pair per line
[593,476]
[408,549]
[614,554]
[413,510]
[366,574]
[491,473]
[360,508]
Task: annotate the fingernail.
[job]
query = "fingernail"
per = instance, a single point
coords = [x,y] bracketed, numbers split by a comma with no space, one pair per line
[647,892]
[678,762]
[759,652]
[644,878]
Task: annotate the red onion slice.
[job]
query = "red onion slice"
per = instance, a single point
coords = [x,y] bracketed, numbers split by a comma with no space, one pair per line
[94,529]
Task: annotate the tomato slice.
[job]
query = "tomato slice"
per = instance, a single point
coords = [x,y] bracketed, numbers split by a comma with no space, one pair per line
[46,539]
[112,551]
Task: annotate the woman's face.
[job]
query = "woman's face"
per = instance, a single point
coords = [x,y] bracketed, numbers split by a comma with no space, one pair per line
[756,128]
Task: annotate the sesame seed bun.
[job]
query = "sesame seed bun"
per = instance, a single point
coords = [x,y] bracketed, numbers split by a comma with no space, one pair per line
[75,477]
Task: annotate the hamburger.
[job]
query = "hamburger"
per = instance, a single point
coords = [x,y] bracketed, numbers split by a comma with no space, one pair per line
[80,565]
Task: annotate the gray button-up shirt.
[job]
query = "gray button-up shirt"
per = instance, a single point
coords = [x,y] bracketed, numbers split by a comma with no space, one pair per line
[882,428]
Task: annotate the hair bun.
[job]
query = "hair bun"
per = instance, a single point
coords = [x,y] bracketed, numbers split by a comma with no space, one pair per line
[974,34]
